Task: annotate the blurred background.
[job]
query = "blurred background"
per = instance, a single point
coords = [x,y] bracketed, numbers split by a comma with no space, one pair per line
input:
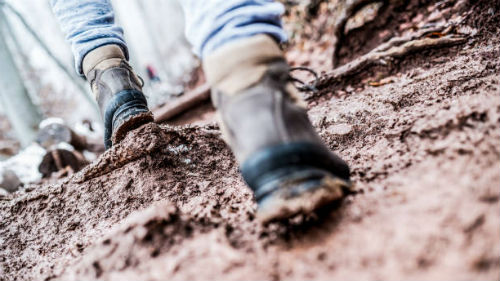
[45,106]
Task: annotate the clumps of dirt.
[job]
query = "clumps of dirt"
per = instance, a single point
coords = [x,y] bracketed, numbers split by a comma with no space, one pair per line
[169,203]
[160,242]
[145,235]
[153,164]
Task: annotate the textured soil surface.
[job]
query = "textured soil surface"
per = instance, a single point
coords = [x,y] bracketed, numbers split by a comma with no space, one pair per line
[168,202]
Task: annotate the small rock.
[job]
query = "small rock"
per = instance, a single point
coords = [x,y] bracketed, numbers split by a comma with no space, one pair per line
[340,129]
[3,192]
[467,30]
[10,181]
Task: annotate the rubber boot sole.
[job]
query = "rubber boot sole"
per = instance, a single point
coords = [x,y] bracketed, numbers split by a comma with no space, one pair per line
[295,178]
[127,110]
[131,123]
[301,194]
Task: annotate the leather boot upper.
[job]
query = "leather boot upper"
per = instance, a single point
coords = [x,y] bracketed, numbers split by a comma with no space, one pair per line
[258,106]
[108,73]
[118,92]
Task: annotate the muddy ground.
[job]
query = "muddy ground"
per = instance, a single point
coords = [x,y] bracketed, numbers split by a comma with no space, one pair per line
[168,202]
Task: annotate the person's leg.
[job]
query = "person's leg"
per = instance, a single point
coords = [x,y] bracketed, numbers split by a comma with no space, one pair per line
[281,157]
[87,26]
[213,23]
[101,55]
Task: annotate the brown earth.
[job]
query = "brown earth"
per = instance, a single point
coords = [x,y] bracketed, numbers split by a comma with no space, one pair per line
[168,202]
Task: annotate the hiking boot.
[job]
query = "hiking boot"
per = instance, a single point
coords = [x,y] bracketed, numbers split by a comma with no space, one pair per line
[118,92]
[263,120]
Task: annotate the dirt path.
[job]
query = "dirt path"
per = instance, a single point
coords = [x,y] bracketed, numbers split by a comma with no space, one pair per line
[168,202]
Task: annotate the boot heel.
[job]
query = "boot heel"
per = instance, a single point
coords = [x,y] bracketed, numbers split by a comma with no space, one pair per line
[295,178]
[125,111]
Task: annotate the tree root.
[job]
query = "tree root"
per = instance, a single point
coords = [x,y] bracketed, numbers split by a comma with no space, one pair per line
[434,37]
[351,7]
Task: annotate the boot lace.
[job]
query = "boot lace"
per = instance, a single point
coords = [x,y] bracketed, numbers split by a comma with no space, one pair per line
[301,85]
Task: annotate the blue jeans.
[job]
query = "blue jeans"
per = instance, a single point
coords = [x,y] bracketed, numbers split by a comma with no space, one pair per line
[89,24]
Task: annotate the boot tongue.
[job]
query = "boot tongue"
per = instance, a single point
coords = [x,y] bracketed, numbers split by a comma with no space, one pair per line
[102,58]
[238,65]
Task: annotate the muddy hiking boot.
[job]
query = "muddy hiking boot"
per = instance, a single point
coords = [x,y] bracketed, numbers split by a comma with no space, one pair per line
[118,92]
[281,156]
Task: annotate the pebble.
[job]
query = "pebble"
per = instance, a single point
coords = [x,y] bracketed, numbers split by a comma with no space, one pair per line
[3,192]
[9,181]
[340,129]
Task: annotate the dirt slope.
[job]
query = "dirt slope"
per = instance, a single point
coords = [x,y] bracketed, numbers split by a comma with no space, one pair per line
[168,202]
